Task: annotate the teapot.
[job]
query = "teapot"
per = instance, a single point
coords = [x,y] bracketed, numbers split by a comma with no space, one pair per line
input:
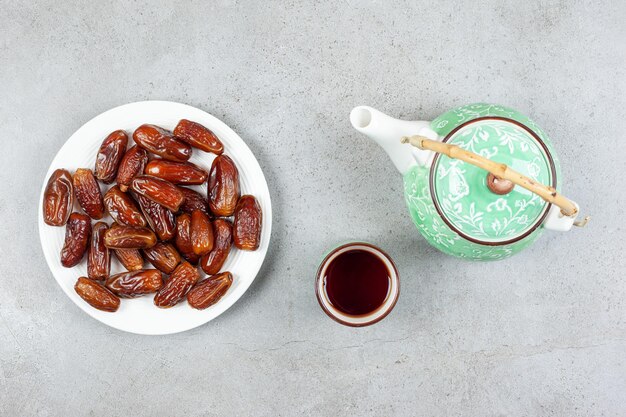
[481,181]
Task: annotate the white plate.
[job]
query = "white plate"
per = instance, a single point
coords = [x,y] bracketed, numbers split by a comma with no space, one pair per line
[140,315]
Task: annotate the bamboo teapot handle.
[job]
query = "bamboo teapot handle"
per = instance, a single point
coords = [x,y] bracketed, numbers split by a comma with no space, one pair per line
[501,177]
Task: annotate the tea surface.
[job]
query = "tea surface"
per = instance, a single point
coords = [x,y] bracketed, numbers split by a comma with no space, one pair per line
[357,282]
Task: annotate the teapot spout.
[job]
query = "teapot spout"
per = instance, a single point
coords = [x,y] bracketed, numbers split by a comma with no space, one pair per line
[387,132]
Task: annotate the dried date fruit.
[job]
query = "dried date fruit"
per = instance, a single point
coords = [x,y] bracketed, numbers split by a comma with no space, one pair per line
[129,237]
[133,164]
[184,173]
[110,155]
[247,224]
[77,231]
[135,283]
[163,256]
[183,238]
[161,142]
[158,190]
[98,256]
[209,291]
[198,136]
[177,286]
[122,208]
[194,201]
[201,233]
[223,187]
[88,193]
[96,295]
[160,219]
[58,198]
[212,262]
[130,258]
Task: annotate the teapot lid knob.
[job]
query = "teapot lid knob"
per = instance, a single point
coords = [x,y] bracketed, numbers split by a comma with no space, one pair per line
[499,185]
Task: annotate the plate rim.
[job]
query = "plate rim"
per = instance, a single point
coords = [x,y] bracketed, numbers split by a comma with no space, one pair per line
[267,217]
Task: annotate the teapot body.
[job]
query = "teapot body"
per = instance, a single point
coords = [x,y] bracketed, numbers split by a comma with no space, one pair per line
[462,220]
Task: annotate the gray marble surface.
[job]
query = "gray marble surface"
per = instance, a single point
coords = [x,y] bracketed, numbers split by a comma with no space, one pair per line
[543,333]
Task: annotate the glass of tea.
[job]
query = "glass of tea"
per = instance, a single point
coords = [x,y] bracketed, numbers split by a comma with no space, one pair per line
[357,284]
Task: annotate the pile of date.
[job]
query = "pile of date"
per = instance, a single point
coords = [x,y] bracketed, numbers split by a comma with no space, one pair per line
[154,217]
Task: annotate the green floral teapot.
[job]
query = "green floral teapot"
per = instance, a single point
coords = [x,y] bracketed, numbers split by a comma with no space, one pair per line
[481,181]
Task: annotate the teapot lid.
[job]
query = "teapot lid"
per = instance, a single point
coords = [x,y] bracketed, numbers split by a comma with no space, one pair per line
[480,207]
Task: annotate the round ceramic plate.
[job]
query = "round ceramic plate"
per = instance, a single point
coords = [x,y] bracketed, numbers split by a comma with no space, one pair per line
[140,315]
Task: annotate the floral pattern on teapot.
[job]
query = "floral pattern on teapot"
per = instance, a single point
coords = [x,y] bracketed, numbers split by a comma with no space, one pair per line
[462,194]
[483,215]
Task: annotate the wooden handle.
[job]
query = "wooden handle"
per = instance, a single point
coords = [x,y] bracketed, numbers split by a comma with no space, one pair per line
[502,171]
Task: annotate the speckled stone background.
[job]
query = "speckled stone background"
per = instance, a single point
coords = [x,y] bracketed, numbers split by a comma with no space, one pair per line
[541,334]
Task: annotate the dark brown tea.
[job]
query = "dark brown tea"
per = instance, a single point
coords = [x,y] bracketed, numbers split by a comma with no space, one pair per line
[357,282]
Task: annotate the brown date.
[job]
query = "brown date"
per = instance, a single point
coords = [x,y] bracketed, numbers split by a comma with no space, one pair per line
[96,295]
[98,256]
[163,256]
[58,198]
[176,172]
[194,201]
[247,224]
[110,155]
[129,237]
[133,284]
[88,193]
[223,187]
[212,262]
[201,233]
[160,219]
[183,238]
[198,136]
[133,164]
[77,231]
[158,190]
[130,258]
[122,208]
[161,142]
[209,291]
[177,286]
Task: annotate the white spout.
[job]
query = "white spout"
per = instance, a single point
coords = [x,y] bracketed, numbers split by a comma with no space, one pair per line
[387,132]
